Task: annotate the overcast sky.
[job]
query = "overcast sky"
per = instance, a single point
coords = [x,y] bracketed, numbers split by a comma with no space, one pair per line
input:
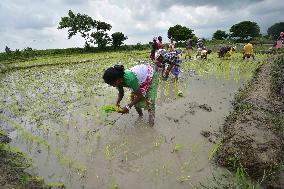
[33,23]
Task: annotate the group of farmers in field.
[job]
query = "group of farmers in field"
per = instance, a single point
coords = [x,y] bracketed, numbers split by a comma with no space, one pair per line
[142,79]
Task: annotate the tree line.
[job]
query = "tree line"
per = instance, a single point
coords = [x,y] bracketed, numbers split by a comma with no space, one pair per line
[247,30]
[241,32]
[95,32]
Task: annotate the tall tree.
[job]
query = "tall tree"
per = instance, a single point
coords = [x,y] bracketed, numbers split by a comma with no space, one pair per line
[91,30]
[77,23]
[245,30]
[118,38]
[220,35]
[180,33]
[275,30]
[101,36]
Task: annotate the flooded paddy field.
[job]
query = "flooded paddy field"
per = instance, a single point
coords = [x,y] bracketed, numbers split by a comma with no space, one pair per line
[52,109]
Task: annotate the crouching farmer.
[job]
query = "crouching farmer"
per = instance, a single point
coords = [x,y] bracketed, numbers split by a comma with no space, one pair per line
[142,80]
[248,51]
[226,51]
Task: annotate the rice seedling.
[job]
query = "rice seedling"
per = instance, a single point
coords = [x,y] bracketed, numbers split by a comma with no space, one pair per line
[215,149]
[178,147]
[111,108]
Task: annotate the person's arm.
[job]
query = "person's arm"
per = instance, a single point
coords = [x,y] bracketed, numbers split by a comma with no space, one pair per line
[172,62]
[131,81]
[120,95]
[137,97]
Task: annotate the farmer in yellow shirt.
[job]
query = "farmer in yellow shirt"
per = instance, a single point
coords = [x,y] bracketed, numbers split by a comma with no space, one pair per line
[248,51]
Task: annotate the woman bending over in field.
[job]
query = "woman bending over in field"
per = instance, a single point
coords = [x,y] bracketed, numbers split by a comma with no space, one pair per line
[189,48]
[142,80]
[226,51]
[248,51]
[167,60]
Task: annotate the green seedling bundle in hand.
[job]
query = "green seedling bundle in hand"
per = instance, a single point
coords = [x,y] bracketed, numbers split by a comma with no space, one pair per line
[180,93]
[111,109]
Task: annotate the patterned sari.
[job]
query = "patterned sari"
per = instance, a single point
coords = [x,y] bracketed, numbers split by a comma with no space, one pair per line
[144,78]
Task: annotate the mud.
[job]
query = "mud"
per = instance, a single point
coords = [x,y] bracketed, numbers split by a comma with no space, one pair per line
[72,142]
[253,133]
[126,151]
[12,166]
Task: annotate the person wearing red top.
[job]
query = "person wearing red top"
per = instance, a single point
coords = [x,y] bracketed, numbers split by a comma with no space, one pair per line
[160,43]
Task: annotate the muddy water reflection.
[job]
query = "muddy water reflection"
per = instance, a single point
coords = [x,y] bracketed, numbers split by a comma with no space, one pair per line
[127,152]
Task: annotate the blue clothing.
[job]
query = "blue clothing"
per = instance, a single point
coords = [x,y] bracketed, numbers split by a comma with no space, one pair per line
[171,57]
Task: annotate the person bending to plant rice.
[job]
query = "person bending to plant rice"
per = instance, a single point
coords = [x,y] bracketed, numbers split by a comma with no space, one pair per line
[163,57]
[142,80]
[189,48]
[248,51]
[203,53]
[226,51]
[176,70]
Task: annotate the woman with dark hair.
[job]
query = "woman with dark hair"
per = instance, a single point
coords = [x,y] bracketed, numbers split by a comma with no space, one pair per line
[142,80]
[155,47]
[160,42]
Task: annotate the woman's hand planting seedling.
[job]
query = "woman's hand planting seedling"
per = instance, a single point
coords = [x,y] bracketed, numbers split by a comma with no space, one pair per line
[111,108]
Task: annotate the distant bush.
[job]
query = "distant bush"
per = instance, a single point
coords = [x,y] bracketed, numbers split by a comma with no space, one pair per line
[7,49]
[29,53]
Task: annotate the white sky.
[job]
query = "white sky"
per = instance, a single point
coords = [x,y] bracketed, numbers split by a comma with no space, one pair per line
[33,23]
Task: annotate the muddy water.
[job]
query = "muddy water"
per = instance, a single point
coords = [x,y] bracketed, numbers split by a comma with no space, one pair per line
[91,149]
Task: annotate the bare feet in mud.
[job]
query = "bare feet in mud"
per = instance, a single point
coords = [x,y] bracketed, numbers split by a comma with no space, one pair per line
[141,122]
[139,111]
[151,117]
[151,121]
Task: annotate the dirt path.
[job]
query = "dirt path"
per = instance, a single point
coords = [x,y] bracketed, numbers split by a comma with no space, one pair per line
[253,133]
[260,94]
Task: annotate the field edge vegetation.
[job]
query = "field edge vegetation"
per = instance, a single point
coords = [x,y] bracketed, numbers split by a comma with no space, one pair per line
[252,135]
[13,166]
